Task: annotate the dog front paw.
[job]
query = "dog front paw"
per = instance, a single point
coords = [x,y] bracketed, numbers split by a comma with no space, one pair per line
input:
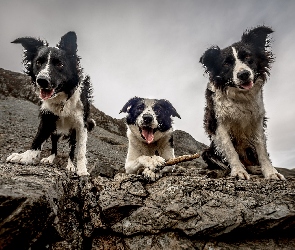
[28,157]
[81,169]
[150,175]
[273,174]
[48,160]
[240,173]
[70,166]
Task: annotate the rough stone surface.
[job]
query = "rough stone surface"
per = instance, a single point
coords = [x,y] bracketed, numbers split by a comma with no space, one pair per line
[45,207]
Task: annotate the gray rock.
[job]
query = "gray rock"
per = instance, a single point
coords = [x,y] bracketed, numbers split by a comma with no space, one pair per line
[47,207]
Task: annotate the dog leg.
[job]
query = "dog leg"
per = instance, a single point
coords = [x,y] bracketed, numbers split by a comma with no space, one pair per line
[28,157]
[46,127]
[268,171]
[152,165]
[224,145]
[50,158]
[81,151]
[146,165]
[70,166]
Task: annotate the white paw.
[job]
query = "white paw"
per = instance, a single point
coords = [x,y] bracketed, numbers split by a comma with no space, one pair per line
[81,169]
[240,173]
[152,162]
[82,173]
[49,159]
[28,157]
[70,166]
[272,174]
[150,175]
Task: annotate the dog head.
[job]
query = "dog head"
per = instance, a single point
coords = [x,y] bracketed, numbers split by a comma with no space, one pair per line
[52,69]
[149,119]
[240,64]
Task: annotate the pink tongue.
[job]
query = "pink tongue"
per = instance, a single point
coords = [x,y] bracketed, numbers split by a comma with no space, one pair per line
[148,134]
[46,94]
[247,85]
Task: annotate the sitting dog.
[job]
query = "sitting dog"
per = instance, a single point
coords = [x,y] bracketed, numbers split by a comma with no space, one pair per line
[234,113]
[150,137]
[65,95]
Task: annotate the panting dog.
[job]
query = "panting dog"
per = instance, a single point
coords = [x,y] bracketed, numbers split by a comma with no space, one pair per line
[149,123]
[234,113]
[66,96]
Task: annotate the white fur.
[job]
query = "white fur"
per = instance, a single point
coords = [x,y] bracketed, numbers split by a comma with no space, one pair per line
[70,166]
[141,156]
[48,159]
[240,115]
[28,157]
[70,114]
[45,72]
[239,66]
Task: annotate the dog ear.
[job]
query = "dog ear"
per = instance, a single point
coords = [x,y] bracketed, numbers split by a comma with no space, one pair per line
[68,43]
[133,101]
[257,36]
[208,59]
[31,46]
[169,107]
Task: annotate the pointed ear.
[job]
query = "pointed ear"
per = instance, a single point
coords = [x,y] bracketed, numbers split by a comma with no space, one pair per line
[133,101]
[257,36]
[208,59]
[30,44]
[68,43]
[168,106]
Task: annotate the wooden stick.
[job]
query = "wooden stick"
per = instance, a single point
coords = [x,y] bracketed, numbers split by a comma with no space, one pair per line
[180,159]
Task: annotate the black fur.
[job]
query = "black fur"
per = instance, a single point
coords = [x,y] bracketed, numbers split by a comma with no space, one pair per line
[218,63]
[162,108]
[56,70]
[251,50]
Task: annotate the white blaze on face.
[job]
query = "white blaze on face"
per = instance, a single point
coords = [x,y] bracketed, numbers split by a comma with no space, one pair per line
[240,66]
[45,73]
[148,129]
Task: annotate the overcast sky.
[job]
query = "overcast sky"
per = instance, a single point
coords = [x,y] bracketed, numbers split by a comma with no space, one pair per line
[152,49]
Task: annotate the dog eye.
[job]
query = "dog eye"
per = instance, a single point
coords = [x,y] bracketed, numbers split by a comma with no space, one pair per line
[38,63]
[228,62]
[140,107]
[158,110]
[249,59]
[59,65]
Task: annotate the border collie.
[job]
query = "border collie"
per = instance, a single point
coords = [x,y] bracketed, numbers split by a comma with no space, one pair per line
[234,113]
[66,96]
[150,137]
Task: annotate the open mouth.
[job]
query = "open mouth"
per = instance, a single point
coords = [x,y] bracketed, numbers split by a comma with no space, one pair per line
[147,134]
[247,85]
[46,93]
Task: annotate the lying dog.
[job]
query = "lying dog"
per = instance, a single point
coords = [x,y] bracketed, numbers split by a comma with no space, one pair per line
[150,137]
[66,96]
[234,113]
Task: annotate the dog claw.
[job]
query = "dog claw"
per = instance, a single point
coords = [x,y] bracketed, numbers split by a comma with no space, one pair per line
[28,157]
[276,176]
[240,174]
[48,160]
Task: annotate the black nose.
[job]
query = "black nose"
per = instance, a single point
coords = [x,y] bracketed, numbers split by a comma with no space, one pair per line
[243,75]
[147,118]
[43,83]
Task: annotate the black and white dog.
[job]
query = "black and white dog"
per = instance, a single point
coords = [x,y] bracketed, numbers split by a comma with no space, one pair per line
[66,97]
[234,114]
[149,123]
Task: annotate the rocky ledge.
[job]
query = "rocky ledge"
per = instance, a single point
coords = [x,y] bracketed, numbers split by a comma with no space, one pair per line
[45,207]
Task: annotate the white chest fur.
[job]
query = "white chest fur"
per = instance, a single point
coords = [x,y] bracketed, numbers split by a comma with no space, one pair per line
[70,112]
[240,111]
